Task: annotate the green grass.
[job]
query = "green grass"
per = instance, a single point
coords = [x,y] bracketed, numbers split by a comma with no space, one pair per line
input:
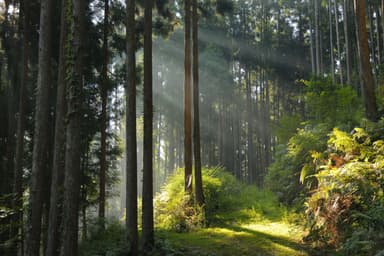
[246,221]
[267,238]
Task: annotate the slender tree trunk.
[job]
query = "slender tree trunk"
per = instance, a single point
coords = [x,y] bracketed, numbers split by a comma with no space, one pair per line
[347,43]
[21,118]
[187,100]
[338,43]
[368,84]
[148,232]
[56,200]
[331,41]
[104,98]
[312,52]
[40,146]
[317,38]
[131,142]
[73,147]
[196,113]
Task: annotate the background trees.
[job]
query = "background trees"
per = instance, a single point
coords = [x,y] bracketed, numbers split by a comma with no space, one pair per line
[253,58]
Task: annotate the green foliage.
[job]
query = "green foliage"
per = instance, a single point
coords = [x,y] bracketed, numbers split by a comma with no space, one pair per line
[226,200]
[331,103]
[294,162]
[346,211]
[108,242]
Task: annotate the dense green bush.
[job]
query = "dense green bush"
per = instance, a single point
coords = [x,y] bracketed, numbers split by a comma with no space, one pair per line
[346,211]
[327,105]
[226,200]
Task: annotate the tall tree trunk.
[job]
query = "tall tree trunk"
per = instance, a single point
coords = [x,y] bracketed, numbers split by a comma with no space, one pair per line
[366,70]
[312,51]
[131,142]
[336,9]
[196,113]
[347,43]
[331,41]
[104,98]
[187,100]
[317,38]
[40,146]
[250,149]
[56,200]
[73,147]
[21,119]
[148,232]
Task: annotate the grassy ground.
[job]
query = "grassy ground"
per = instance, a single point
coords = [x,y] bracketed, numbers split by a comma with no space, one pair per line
[264,238]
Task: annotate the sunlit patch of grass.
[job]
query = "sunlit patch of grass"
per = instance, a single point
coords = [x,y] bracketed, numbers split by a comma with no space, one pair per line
[273,238]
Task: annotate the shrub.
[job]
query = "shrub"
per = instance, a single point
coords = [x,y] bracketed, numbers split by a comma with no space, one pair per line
[346,211]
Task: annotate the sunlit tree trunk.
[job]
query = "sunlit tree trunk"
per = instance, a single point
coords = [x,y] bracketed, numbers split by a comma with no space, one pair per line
[312,51]
[367,85]
[338,43]
[317,38]
[130,126]
[74,116]
[148,232]
[347,43]
[331,41]
[57,183]
[40,146]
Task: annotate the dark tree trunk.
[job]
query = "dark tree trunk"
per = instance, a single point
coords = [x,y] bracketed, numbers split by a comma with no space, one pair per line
[57,184]
[148,232]
[196,114]
[40,147]
[21,122]
[187,100]
[366,70]
[104,98]
[73,147]
[131,142]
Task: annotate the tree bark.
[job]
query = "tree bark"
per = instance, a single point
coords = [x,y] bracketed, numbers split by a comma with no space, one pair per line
[331,41]
[73,147]
[187,100]
[367,85]
[57,184]
[148,232]
[317,38]
[21,120]
[338,43]
[40,146]
[196,113]
[347,43]
[131,142]
[104,98]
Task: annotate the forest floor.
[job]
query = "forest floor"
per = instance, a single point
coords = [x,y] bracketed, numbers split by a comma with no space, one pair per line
[253,239]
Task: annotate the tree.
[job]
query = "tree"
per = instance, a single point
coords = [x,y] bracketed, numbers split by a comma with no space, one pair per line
[196,114]
[57,183]
[104,98]
[131,143]
[40,146]
[73,136]
[21,123]
[148,229]
[187,99]
[367,85]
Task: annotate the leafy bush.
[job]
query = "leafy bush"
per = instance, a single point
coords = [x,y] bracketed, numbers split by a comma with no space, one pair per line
[346,211]
[293,161]
[226,200]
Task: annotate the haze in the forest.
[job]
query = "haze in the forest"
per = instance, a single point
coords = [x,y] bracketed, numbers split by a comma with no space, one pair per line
[191,127]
